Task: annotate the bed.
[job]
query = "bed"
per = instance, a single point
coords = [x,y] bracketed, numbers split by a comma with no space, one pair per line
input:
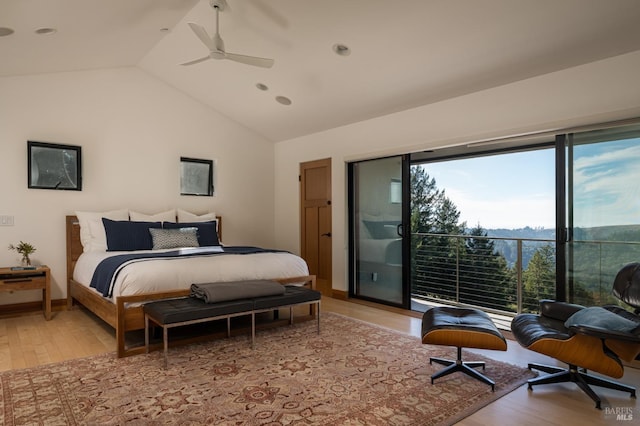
[123,309]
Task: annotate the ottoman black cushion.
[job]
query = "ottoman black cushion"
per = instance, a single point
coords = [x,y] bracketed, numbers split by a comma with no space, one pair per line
[189,308]
[291,296]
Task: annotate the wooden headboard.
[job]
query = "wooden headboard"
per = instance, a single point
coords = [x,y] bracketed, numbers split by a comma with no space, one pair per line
[74,246]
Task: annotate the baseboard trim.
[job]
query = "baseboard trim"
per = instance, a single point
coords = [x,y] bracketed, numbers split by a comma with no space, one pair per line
[28,307]
[339,294]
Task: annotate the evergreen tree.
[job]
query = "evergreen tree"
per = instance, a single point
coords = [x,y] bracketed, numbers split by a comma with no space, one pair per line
[484,276]
[433,258]
[539,279]
[449,267]
[424,194]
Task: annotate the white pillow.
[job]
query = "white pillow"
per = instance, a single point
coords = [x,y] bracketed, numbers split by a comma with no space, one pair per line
[168,216]
[92,235]
[185,216]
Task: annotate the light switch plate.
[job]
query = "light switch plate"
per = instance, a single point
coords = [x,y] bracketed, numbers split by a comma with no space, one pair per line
[6,220]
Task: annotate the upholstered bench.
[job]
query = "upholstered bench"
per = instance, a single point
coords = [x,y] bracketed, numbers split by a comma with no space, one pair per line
[462,328]
[191,310]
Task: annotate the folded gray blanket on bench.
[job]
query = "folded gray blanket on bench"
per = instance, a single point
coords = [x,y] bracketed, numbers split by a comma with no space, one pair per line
[224,291]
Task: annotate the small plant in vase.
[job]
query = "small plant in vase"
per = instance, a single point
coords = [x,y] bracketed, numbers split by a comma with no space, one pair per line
[25,249]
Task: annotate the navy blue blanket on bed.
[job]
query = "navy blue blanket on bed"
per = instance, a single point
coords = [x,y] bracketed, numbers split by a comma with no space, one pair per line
[106,272]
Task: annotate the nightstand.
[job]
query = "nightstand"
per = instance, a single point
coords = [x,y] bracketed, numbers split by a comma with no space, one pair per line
[30,279]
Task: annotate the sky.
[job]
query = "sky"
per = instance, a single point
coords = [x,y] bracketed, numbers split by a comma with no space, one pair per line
[507,191]
[607,182]
[516,190]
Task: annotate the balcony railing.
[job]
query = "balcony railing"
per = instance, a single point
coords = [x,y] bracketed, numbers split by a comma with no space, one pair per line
[488,272]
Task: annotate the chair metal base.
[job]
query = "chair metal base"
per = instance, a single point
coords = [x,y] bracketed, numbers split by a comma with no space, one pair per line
[580,377]
[466,367]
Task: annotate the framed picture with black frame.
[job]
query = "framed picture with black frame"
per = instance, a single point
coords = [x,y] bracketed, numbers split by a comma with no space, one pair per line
[54,166]
[196,177]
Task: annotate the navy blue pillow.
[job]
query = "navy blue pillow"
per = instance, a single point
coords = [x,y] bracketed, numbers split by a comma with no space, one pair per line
[207,231]
[125,235]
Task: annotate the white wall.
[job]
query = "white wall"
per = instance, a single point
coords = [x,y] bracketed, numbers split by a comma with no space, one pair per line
[133,130]
[592,93]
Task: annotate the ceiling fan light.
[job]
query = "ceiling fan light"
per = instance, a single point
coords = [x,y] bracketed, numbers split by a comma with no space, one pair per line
[341,49]
[45,31]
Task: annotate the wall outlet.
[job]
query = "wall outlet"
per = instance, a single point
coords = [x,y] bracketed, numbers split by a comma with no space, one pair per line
[6,220]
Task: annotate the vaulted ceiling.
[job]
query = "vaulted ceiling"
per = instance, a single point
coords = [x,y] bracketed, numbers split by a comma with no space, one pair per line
[403,53]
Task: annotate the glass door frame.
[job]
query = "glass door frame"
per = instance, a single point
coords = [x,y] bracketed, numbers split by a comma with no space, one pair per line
[404,228]
[563,187]
[566,284]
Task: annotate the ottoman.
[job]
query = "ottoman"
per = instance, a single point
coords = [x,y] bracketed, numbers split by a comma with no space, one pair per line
[462,328]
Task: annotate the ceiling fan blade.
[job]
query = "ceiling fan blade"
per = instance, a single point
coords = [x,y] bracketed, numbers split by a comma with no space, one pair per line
[250,60]
[202,35]
[197,61]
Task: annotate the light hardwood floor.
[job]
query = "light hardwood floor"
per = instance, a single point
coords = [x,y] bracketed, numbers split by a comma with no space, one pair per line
[28,340]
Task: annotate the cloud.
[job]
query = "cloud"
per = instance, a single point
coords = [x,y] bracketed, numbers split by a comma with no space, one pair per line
[512,213]
[607,185]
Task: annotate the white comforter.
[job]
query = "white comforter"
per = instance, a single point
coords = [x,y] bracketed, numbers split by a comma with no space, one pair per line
[171,274]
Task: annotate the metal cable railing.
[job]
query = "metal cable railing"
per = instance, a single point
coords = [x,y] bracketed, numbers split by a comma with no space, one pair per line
[511,275]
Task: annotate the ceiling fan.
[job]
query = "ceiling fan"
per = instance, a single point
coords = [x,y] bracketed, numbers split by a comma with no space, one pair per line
[216,45]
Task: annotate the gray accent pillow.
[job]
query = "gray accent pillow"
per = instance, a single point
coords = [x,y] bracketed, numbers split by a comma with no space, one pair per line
[596,316]
[174,238]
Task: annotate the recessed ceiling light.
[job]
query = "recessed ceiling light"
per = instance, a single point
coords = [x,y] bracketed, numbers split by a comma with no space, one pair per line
[4,31]
[45,31]
[262,86]
[341,49]
[165,30]
[283,100]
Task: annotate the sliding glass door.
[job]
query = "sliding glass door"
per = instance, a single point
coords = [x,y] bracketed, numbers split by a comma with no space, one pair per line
[455,257]
[602,210]
[376,246]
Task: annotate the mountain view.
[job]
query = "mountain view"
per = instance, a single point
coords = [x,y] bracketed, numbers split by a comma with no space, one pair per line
[609,234]
[508,248]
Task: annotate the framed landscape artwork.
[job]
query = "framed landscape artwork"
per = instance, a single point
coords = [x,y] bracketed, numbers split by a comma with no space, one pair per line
[54,166]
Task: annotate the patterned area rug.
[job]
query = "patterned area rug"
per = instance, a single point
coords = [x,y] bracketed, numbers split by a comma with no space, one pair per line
[353,373]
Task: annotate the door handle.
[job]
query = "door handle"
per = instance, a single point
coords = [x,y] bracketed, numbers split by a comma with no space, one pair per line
[326,234]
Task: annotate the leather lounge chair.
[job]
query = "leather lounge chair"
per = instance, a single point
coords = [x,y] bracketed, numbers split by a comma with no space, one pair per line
[593,338]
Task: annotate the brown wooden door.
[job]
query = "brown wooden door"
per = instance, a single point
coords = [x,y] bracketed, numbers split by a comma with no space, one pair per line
[315,220]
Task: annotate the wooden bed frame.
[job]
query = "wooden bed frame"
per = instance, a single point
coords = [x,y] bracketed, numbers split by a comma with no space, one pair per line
[120,315]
